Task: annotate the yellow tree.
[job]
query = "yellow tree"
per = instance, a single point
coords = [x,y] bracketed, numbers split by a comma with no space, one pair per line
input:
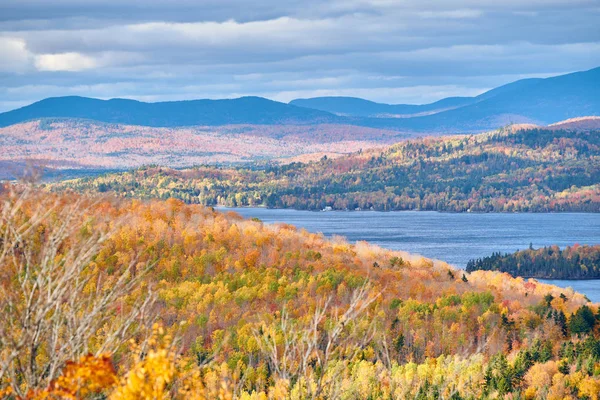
[56,303]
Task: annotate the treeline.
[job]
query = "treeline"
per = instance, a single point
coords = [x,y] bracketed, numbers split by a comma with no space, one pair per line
[253,311]
[575,262]
[525,171]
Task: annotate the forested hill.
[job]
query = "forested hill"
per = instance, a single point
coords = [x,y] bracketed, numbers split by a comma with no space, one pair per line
[530,170]
[577,262]
[247,310]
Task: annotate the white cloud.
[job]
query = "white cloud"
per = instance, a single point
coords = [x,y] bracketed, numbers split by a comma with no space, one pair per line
[14,56]
[72,62]
[385,50]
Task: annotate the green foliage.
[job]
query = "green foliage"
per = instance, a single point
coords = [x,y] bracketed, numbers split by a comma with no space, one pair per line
[583,321]
[575,262]
[255,302]
[537,170]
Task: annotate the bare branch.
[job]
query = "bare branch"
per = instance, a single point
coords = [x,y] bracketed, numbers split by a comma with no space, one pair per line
[54,299]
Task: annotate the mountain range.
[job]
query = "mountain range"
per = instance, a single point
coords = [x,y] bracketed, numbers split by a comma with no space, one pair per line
[357,107]
[244,110]
[536,100]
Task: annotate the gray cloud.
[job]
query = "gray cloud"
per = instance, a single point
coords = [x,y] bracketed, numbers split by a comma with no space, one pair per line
[386,50]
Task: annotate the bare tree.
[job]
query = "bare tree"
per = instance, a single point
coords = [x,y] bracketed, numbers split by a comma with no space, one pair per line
[309,350]
[56,304]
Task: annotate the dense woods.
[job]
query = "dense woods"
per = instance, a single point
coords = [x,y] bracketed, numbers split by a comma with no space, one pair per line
[576,262]
[528,170]
[180,301]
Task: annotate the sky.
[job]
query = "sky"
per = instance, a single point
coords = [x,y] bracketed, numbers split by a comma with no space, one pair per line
[392,51]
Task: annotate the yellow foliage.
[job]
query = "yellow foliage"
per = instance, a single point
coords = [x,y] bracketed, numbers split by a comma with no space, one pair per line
[589,387]
[150,376]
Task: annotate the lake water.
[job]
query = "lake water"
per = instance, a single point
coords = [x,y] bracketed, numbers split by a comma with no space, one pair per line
[452,237]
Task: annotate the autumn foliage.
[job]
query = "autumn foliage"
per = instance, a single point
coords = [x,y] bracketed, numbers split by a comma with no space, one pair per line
[531,170]
[245,310]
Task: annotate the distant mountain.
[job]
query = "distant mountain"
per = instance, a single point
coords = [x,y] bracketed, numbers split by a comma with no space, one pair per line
[538,101]
[244,110]
[356,107]
[541,101]
[522,84]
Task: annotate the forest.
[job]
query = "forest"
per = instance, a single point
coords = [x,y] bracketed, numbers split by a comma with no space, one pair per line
[574,262]
[113,298]
[510,170]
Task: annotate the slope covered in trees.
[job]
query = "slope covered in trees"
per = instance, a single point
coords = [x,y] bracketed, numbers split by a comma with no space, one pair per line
[87,146]
[527,170]
[576,262]
[252,311]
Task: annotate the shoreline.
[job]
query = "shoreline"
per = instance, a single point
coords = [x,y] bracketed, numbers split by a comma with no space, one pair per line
[263,207]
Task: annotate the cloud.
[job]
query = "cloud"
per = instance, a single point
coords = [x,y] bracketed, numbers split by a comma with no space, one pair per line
[386,50]
[14,55]
[454,14]
[64,62]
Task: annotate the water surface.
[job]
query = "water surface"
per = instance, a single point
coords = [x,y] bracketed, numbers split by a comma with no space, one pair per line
[453,237]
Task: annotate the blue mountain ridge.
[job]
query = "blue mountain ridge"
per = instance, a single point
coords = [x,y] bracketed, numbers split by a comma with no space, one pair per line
[534,100]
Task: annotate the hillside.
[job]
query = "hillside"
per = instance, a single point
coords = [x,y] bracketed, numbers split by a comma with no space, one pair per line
[540,101]
[252,311]
[576,262]
[581,123]
[527,170]
[85,145]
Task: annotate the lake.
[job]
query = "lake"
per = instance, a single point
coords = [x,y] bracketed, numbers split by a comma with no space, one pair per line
[453,237]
